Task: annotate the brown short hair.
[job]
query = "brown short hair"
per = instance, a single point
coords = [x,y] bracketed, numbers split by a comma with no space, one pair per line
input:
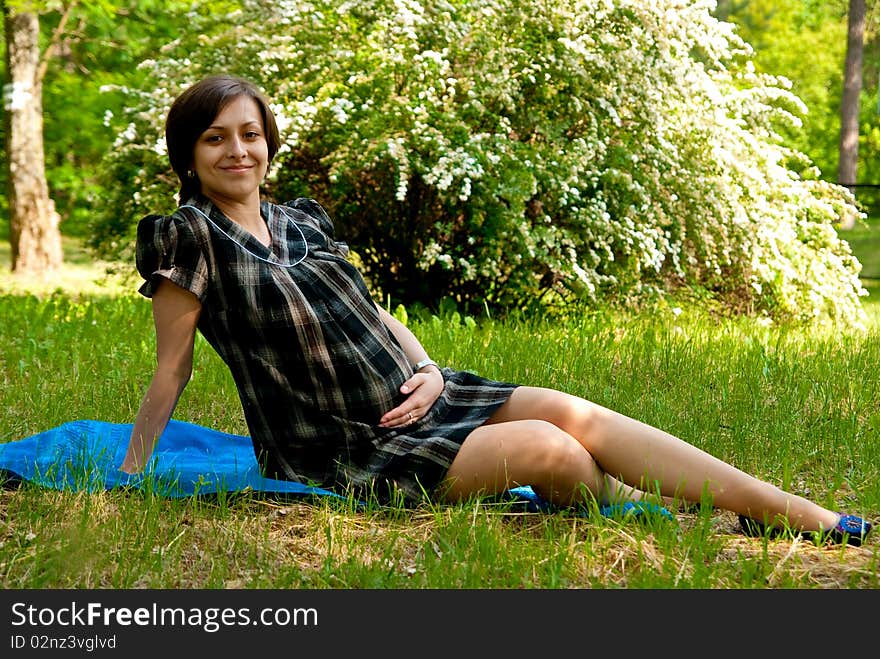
[194,110]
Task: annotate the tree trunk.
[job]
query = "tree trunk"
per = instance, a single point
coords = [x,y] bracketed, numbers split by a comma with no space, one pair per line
[849,106]
[33,222]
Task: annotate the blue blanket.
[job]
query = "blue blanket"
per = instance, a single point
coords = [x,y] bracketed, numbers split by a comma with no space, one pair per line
[189,460]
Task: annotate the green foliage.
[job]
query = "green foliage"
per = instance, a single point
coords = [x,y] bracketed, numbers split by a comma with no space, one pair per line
[805,41]
[501,154]
[97,51]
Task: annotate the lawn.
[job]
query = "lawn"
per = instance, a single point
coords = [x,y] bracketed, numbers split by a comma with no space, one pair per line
[798,406]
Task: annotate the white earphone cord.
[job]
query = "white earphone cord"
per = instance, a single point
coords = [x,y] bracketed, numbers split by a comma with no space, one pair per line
[257,256]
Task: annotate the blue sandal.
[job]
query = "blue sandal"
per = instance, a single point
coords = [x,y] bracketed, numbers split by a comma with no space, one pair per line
[850,529]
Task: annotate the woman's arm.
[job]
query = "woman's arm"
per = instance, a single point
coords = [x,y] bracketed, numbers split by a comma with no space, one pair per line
[175,314]
[423,388]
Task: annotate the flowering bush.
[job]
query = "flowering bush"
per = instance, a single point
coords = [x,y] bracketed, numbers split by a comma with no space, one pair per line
[502,151]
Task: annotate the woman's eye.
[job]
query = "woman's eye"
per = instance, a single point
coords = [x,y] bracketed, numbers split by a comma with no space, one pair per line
[252,135]
[213,138]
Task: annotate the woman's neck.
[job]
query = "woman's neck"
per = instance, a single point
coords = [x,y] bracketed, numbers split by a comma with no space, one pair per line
[246,214]
[243,212]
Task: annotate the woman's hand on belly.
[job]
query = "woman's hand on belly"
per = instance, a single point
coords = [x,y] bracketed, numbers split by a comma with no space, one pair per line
[422,391]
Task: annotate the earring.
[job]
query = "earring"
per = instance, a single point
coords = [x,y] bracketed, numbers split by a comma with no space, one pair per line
[190,173]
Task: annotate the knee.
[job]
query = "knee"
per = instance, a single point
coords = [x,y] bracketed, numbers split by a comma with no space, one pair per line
[556,451]
[561,466]
[586,421]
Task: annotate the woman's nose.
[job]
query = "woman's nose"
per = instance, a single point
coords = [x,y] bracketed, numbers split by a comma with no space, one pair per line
[236,147]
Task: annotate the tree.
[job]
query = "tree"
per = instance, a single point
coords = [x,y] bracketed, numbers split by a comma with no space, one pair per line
[805,41]
[849,106]
[501,152]
[90,52]
[33,221]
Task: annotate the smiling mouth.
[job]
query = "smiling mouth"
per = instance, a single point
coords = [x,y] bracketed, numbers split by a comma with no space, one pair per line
[237,169]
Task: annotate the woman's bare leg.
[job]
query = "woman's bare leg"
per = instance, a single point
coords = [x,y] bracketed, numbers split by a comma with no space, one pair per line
[500,456]
[638,454]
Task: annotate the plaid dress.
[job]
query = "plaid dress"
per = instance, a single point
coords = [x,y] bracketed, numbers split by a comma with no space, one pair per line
[314,364]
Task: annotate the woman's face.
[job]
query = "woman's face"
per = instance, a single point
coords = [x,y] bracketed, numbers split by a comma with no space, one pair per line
[231,157]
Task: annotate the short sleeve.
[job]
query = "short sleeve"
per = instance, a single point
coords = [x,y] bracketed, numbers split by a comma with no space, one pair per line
[314,210]
[168,248]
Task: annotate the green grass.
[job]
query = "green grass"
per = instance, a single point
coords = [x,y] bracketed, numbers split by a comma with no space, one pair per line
[864,240]
[797,406]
